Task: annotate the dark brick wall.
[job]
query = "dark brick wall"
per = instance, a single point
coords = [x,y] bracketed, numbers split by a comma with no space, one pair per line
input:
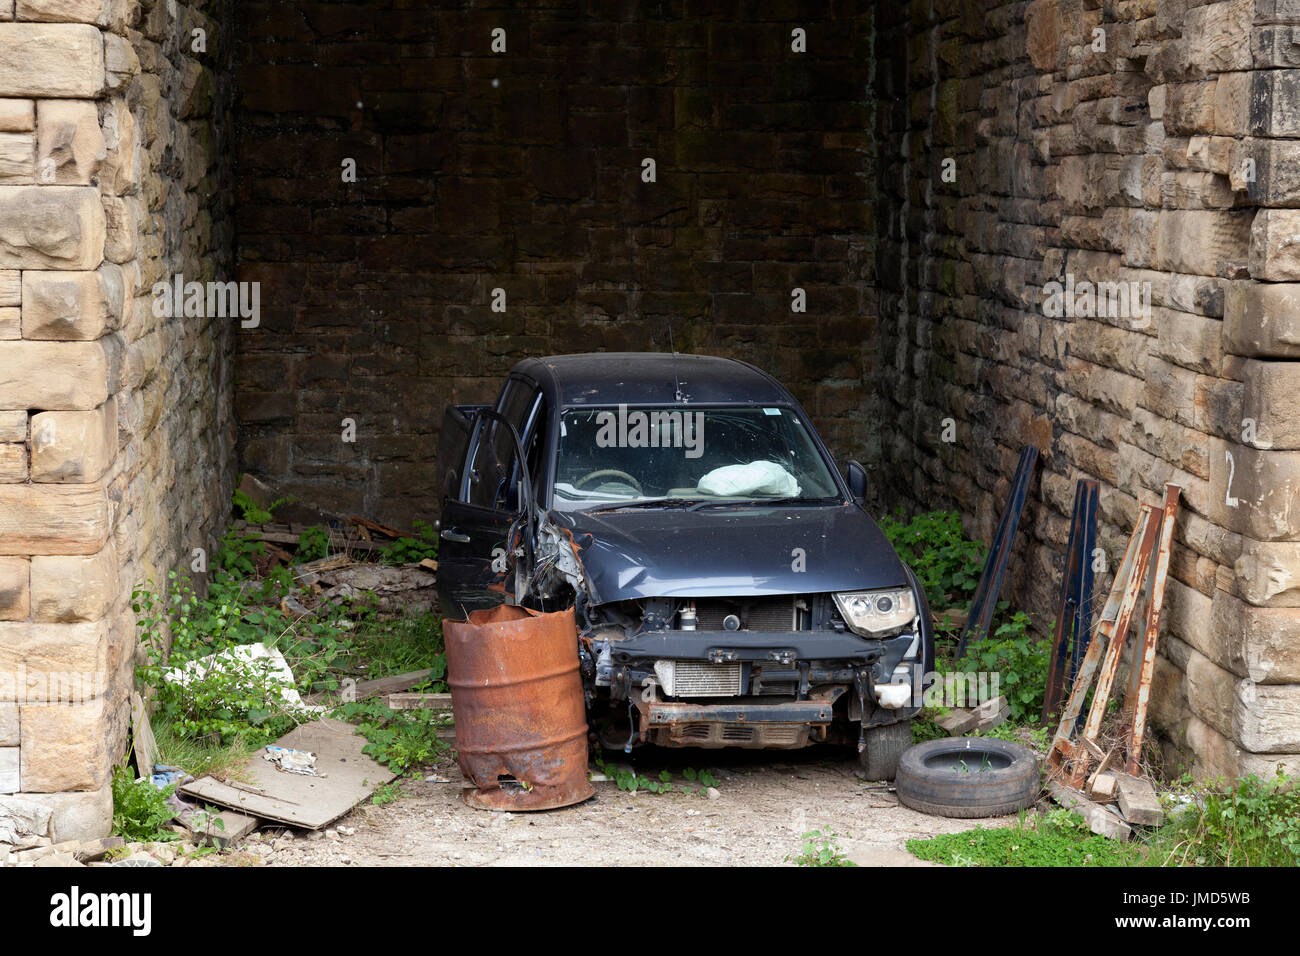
[522,171]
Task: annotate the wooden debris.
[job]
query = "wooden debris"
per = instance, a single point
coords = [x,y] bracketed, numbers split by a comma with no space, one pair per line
[992,713]
[347,776]
[367,525]
[419,702]
[1101,788]
[142,740]
[1138,801]
[1101,820]
[234,827]
[957,721]
[390,685]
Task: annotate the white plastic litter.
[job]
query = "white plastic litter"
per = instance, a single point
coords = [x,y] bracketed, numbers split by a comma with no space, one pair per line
[755,478]
[292,761]
[271,663]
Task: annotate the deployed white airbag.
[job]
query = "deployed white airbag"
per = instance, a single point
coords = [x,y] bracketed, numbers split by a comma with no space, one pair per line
[755,478]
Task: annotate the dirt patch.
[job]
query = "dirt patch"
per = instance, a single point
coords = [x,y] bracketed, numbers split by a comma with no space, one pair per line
[765,803]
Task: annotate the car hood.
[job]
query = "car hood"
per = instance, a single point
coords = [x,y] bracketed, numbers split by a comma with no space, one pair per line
[718,552]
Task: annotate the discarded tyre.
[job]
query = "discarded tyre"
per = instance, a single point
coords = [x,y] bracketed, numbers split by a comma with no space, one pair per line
[968,777]
[521,722]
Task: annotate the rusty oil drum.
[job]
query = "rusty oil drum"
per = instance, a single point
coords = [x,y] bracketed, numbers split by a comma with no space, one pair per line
[519,710]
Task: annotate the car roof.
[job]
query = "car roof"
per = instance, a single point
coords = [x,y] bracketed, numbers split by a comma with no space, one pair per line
[651,378]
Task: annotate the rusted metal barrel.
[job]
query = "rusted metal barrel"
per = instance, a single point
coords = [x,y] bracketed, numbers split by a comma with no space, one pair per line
[521,724]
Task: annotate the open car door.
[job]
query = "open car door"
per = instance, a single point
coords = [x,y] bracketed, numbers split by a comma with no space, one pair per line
[488,527]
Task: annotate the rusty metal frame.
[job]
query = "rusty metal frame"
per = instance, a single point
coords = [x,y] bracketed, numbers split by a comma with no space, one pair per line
[1143,665]
[1067,759]
[1136,578]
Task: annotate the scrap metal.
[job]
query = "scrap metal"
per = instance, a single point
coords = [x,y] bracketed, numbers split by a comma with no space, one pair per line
[521,722]
[995,565]
[1074,610]
[1071,760]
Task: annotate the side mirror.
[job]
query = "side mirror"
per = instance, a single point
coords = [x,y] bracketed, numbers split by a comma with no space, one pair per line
[857,477]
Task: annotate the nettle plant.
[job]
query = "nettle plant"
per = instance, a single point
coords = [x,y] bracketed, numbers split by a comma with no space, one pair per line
[233,696]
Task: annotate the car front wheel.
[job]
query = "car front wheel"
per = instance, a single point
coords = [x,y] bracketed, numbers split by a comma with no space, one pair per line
[884,749]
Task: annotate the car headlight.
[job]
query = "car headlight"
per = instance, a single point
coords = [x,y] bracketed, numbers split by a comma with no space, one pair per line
[877,612]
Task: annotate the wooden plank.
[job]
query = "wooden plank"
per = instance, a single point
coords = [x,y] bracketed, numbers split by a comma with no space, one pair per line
[992,713]
[347,776]
[419,701]
[1101,788]
[391,685]
[142,740]
[1138,802]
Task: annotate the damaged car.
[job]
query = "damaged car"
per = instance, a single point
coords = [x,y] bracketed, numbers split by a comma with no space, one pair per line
[729,587]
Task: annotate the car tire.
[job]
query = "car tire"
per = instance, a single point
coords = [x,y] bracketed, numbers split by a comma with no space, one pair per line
[943,777]
[885,746]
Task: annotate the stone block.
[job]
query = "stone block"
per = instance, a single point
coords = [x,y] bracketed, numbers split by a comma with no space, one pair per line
[17,159]
[1274,253]
[1262,319]
[9,776]
[77,816]
[17,116]
[1194,241]
[119,174]
[13,463]
[69,144]
[1271,402]
[62,376]
[11,323]
[70,588]
[65,747]
[1255,492]
[9,725]
[42,663]
[73,447]
[1266,717]
[51,227]
[55,60]
[71,306]
[13,426]
[1262,643]
[53,519]
[62,11]
[1275,103]
[1265,574]
[1216,37]
[1232,104]
[15,591]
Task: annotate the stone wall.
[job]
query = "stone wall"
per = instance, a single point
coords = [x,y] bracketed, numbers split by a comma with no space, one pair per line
[522,171]
[1111,142]
[116,434]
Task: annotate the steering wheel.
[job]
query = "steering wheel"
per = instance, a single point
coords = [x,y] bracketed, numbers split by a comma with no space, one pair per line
[609,473]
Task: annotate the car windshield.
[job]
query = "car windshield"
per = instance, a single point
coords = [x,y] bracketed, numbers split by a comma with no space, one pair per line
[683,454]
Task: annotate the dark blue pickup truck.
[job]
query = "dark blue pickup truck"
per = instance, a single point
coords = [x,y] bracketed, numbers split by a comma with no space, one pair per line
[729,587]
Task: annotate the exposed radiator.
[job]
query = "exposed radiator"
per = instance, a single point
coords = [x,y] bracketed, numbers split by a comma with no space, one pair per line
[756,614]
[699,679]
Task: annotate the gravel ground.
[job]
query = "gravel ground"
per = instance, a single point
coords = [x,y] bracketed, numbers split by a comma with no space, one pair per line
[764,802]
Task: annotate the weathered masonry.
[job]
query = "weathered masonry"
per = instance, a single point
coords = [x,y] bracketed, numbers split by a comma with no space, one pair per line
[1061,223]
[116,426]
